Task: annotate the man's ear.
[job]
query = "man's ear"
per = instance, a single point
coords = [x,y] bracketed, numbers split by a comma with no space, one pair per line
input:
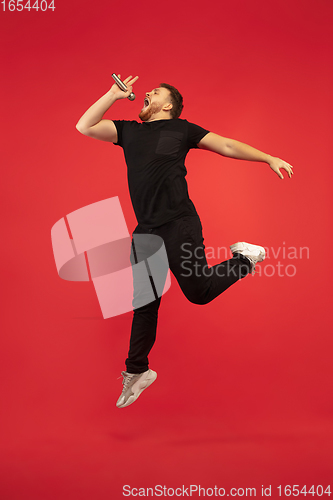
[168,106]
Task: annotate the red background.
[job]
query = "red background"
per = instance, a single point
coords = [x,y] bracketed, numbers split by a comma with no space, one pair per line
[244,390]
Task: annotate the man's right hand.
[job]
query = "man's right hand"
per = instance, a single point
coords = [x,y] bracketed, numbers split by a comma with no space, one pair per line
[120,94]
[92,123]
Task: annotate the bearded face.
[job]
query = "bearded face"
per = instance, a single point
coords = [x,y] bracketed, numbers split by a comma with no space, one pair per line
[149,110]
[153,103]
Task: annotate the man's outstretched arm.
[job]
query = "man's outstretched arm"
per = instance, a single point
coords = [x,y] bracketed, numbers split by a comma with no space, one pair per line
[239,150]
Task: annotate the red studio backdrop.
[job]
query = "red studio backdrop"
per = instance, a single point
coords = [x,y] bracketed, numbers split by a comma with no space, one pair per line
[243,397]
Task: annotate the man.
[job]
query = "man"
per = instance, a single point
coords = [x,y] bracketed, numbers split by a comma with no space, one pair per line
[155,152]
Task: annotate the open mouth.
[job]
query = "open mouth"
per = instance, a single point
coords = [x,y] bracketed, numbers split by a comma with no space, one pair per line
[146,103]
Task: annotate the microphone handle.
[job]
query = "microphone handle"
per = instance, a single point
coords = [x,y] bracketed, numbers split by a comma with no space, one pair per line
[122,86]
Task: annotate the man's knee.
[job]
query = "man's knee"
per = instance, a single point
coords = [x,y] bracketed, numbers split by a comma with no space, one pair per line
[196,297]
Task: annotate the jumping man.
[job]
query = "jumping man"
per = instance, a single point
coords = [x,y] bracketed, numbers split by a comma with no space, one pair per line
[155,152]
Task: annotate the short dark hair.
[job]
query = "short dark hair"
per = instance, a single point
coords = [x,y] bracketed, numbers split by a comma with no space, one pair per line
[176,100]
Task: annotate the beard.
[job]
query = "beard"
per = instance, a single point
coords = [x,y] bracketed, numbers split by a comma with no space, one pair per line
[149,111]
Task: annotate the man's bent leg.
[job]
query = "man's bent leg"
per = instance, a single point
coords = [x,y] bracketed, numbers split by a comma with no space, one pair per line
[186,253]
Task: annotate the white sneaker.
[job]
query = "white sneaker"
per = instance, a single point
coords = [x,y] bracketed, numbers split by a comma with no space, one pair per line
[133,385]
[254,253]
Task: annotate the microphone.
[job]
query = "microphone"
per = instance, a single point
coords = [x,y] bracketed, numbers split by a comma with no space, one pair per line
[122,86]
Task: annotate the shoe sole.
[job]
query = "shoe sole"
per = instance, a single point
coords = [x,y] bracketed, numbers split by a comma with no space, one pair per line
[141,386]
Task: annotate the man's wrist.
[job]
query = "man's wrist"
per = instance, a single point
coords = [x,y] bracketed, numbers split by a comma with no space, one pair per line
[269,159]
[111,95]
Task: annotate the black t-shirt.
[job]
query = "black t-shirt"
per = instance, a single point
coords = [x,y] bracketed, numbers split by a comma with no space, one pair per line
[155,154]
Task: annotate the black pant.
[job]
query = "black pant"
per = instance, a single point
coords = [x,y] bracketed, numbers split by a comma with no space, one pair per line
[200,284]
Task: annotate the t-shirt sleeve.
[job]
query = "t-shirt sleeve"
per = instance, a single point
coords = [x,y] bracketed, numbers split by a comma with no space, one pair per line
[120,127]
[195,134]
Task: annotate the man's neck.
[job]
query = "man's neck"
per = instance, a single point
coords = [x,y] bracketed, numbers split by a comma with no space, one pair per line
[157,117]
[158,120]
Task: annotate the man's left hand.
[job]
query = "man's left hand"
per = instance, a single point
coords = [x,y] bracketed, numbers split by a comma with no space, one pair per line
[276,165]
